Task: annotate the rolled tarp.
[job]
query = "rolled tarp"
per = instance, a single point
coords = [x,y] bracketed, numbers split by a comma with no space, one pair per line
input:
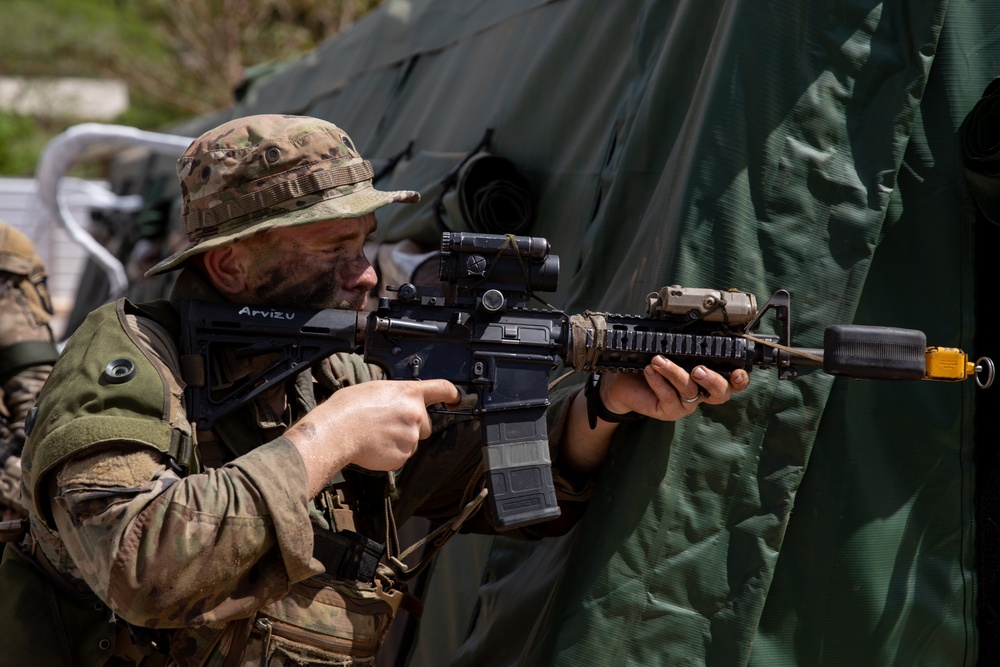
[980,136]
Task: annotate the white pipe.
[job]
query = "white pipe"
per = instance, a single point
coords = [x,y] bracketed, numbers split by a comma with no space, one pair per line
[62,152]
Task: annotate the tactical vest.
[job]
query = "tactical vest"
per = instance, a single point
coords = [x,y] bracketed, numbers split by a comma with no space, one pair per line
[52,622]
[113,390]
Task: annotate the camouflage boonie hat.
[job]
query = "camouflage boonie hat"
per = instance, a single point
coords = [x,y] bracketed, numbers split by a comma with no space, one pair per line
[258,173]
[17,253]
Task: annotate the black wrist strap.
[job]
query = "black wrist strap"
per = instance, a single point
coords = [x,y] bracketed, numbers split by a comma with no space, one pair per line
[596,407]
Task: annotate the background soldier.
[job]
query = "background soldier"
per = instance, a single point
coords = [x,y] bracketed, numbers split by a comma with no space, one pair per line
[27,352]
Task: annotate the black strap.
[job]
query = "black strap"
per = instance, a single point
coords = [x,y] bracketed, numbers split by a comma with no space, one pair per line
[347,555]
[19,356]
[163,313]
[596,407]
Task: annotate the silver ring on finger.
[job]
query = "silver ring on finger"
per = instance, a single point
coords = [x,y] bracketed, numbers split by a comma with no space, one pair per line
[693,399]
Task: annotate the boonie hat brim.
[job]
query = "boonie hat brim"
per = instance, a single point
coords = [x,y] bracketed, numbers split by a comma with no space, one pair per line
[355,204]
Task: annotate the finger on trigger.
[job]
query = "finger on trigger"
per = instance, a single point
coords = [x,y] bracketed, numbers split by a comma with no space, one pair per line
[440,391]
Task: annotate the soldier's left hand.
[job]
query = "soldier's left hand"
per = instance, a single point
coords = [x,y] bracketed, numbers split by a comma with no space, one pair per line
[666,391]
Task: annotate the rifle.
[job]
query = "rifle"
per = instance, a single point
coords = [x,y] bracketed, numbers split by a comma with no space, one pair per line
[476,330]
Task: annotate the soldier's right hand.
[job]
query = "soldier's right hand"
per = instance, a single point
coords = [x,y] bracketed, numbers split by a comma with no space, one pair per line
[375,425]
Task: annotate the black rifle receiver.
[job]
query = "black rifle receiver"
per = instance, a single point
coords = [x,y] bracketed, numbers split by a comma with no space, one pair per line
[477,331]
[483,338]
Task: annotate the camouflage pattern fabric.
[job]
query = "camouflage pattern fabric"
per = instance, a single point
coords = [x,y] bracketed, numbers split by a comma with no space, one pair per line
[27,350]
[10,489]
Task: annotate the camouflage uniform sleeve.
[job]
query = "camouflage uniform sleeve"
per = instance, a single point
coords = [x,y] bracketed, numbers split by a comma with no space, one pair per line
[21,391]
[165,551]
[27,348]
[160,549]
[27,351]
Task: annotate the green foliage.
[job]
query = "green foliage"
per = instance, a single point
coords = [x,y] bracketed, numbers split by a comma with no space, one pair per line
[21,142]
[179,58]
[44,38]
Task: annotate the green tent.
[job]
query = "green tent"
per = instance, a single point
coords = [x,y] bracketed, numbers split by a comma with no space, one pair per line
[811,146]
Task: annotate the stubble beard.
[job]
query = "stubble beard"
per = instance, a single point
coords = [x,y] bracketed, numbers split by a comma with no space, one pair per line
[316,294]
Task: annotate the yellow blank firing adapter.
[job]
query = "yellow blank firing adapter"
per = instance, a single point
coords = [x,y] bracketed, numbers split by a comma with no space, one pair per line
[949,364]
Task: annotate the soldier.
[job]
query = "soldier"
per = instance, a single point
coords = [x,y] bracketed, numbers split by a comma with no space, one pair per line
[27,352]
[258,541]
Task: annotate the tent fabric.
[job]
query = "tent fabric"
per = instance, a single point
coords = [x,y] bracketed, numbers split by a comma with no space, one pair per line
[724,143]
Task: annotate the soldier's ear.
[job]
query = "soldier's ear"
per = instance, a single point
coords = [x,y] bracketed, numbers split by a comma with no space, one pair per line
[226,268]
